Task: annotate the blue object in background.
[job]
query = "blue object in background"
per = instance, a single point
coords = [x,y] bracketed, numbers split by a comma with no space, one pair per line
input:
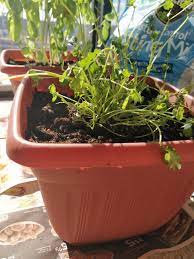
[177,50]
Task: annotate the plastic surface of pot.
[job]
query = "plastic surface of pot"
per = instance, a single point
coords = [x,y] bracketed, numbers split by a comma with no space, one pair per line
[100,192]
[13,70]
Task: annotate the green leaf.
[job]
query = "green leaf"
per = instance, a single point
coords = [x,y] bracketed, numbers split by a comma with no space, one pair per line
[53,92]
[52,89]
[54,98]
[131,2]
[15,26]
[93,68]
[40,56]
[31,45]
[154,35]
[179,113]
[161,106]
[125,102]
[165,68]
[32,29]
[187,129]
[171,158]
[168,4]
[185,3]
[105,30]
[110,16]
[136,96]
[25,51]
[89,59]
[64,77]
[126,73]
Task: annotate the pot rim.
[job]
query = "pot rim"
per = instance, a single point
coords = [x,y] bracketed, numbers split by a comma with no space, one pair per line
[22,69]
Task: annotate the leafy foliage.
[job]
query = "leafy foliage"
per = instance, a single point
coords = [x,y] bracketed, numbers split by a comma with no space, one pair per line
[107,96]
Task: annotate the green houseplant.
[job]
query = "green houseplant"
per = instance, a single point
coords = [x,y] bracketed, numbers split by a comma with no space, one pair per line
[110,176]
[44,38]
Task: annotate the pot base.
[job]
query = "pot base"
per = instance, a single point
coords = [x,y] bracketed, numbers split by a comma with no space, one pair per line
[105,204]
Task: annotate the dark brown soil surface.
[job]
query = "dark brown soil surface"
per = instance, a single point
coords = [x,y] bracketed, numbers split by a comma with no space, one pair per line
[23,63]
[31,63]
[52,122]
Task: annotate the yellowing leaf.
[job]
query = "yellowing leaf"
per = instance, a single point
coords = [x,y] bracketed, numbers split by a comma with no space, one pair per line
[172,158]
[125,102]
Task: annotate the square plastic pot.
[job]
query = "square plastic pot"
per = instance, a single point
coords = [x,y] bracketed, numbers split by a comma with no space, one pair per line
[99,192]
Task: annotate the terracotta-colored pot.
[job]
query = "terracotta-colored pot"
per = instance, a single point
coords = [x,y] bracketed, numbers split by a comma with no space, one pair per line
[13,70]
[101,192]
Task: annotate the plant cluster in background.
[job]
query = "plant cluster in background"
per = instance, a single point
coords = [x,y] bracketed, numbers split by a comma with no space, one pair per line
[54,25]
[51,26]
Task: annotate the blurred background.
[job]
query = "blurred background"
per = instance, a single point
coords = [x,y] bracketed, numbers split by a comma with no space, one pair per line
[6,43]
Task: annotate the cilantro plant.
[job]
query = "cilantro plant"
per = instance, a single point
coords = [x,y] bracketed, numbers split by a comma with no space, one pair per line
[109,96]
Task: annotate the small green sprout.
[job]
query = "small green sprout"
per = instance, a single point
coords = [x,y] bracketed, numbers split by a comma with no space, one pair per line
[172,158]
